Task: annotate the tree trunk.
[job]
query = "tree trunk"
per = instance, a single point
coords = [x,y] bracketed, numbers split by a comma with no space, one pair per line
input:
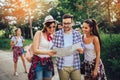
[109,19]
[31,31]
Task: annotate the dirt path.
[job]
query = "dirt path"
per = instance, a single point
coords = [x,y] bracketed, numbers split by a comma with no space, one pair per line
[6,68]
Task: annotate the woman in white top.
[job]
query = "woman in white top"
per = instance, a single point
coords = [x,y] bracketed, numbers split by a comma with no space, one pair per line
[42,65]
[17,46]
[94,69]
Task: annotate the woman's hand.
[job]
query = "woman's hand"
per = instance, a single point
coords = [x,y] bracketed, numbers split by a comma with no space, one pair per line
[80,50]
[51,53]
[95,73]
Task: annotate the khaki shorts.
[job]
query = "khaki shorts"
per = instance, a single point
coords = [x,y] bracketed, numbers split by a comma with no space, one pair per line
[69,73]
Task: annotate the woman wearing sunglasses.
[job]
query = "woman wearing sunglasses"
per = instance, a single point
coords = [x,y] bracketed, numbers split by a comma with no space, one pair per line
[42,65]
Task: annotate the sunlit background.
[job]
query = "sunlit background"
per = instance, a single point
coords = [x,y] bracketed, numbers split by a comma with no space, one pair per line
[19,11]
[29,16]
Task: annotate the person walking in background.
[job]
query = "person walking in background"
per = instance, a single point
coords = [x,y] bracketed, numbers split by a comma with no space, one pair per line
[42,65]
[17,47]
[94,69]
[78,29]
[68,66]
[59,26]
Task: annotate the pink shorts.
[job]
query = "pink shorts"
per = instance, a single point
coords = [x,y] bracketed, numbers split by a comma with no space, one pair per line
[17,51]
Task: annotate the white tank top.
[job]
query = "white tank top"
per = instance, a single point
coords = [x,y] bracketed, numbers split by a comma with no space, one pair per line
[44,45]
[89,52]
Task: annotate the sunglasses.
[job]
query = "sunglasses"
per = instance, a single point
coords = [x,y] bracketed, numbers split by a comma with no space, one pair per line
[51,27]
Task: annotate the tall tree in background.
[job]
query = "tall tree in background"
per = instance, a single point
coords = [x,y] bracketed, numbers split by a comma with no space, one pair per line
[116,18]
[82,9]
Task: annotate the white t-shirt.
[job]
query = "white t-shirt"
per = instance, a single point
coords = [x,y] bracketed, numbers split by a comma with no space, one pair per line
[20,41]
[68,40]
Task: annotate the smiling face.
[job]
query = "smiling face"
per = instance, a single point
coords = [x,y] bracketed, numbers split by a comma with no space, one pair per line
[18,31]
[51,28]
[86,28]
[67,24]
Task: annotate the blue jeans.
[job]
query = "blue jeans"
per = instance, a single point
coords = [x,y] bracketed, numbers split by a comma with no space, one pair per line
[41,72]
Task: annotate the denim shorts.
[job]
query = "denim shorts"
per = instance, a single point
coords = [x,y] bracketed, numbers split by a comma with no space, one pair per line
[42,72]
[23,51]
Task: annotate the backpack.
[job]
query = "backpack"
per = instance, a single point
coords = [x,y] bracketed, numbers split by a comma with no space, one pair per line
[29,53]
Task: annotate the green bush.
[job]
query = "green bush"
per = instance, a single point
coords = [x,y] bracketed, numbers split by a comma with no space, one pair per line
[5,43]
[111,55]
[28,41]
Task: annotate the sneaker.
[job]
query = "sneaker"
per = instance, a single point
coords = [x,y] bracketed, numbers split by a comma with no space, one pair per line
[15,74]
[25,72]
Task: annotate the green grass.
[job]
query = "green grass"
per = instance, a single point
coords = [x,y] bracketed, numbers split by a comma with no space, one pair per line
[28,41]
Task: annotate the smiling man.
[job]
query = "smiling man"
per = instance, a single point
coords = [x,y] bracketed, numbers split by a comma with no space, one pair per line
[68,66]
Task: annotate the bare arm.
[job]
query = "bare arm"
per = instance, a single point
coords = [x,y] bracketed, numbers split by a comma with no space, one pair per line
[36,43]
[12,43]
[97,50]
[80,50]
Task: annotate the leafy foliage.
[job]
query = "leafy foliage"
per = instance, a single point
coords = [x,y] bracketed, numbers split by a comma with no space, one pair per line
[111,55]
[6,45]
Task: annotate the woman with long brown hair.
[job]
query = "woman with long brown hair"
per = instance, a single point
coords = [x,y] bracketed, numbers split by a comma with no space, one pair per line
[94,68]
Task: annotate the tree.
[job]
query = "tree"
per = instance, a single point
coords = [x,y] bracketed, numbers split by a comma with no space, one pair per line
[101,10]
[20,12]
[81,9]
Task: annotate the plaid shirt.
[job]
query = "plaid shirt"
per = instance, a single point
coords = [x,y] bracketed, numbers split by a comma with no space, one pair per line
[44,61]
[58,42]
[17,51]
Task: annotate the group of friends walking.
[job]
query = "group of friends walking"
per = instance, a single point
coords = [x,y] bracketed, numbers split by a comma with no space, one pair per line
[68,67]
